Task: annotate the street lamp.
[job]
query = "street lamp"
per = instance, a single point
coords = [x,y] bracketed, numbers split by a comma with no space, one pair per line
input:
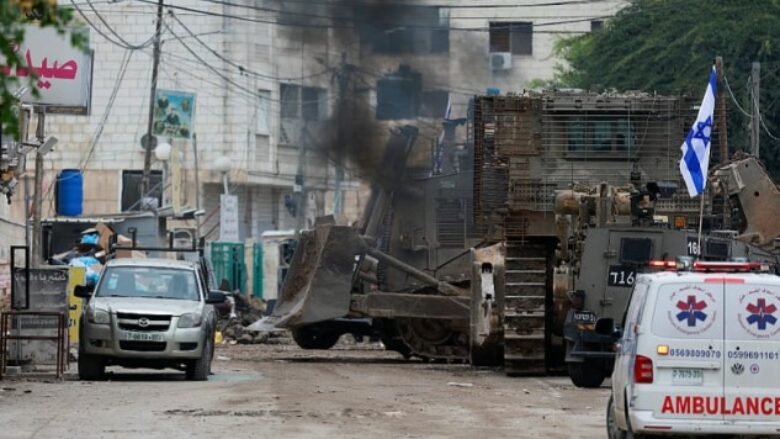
[163,153]
[224,165]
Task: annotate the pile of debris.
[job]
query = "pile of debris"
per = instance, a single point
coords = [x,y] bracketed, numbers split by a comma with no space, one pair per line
[245,310]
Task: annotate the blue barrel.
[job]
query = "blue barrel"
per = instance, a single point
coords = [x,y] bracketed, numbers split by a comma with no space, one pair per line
[70,192]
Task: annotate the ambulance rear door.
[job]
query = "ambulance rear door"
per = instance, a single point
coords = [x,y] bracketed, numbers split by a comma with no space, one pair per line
[752,348]
[687,348]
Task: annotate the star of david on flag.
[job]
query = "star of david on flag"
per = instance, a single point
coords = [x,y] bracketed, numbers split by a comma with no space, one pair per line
[696,148]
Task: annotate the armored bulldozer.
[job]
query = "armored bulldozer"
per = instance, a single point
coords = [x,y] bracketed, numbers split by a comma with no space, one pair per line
[492,252]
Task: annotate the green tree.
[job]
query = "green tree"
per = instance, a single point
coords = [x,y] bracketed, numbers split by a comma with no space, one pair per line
[14,15]
[668,46]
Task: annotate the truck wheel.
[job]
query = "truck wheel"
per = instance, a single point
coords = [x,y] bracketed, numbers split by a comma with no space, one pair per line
[588,374]
[613,431]
[308,337]
[91,367]
[198,370]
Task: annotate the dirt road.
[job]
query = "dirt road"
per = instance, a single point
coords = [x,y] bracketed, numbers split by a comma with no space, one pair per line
[282,391]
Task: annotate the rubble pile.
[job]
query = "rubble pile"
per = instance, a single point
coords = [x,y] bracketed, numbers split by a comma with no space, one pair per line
[244,311]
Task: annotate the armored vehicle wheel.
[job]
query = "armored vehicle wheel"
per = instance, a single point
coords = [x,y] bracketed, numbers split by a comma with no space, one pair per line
[91,367]
[198,370]
[433,339]
[308,337]
[588,374]
[391,338]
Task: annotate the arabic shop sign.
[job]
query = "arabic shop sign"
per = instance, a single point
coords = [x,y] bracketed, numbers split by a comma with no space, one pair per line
[174,114]
[63,72]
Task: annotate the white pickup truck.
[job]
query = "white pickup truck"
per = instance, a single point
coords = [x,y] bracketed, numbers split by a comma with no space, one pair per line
[154,313]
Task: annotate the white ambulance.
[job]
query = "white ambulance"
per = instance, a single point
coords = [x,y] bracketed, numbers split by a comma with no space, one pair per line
[699,354]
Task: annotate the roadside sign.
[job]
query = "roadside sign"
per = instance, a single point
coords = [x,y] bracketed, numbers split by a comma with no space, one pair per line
[228,218]
[63,72]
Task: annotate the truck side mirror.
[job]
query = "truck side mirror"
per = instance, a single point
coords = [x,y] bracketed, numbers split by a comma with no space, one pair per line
[215,297]
[605,326]
[83,291]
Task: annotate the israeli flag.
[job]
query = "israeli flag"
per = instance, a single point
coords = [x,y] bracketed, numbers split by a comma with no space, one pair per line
[696,148]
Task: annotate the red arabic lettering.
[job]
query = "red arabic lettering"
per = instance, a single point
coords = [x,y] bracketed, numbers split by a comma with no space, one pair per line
[68,70]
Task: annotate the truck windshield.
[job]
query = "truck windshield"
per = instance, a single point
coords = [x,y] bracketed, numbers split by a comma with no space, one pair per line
[150,282]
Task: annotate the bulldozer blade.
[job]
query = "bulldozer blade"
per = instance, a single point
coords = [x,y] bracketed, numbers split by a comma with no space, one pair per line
[319,281]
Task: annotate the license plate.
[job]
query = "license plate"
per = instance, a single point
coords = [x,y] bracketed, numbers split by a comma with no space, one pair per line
[143,336]
[687,377]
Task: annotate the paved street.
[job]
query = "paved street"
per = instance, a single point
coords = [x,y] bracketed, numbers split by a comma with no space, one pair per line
[282,391]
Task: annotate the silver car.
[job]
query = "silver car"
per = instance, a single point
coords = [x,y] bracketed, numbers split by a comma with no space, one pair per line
[153,313]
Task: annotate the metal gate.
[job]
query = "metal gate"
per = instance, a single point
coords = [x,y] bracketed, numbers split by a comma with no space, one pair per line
[257,270]
[227,260]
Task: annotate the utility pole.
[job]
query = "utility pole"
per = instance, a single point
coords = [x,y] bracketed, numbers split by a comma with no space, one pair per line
[149,146]
[37,197]
[720,109]
[299,186]
[343,76]
[197,180]
[755,122]
[25,113]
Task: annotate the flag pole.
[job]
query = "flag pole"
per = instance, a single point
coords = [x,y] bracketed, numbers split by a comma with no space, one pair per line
[701,220]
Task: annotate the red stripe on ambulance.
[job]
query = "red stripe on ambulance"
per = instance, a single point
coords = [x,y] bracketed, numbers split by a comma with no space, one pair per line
[718,405]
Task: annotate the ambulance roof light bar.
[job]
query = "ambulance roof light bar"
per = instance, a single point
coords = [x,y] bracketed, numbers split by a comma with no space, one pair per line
[685,263]
[730,266]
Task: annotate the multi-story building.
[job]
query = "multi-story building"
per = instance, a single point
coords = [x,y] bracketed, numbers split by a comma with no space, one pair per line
[271,79]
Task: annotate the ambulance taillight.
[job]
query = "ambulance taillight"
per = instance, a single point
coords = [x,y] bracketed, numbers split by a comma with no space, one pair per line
[643,370]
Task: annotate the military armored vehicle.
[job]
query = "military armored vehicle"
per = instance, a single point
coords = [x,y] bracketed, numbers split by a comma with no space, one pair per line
[480,259]
[600,268]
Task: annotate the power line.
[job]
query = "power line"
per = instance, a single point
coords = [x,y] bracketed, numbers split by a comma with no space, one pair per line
[241,68]
[473,6]
[763,124]
[121,43]
[116,34]
[337,26]
[354,19]
[733,98]
[84,161]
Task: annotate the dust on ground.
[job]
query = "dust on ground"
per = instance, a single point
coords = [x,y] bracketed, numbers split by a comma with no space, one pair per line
[353,390]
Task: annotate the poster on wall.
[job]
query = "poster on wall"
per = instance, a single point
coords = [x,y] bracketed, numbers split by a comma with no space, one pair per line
[174,114]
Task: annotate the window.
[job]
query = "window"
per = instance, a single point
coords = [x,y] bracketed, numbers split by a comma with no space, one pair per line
[603,133]
[398,95]
[310,104]
[263,113]
[434,103]
[149,282]
[596,25]
[307,103]
[131,189]
[513,37]
[290,97]
[399,29]
[635,251]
